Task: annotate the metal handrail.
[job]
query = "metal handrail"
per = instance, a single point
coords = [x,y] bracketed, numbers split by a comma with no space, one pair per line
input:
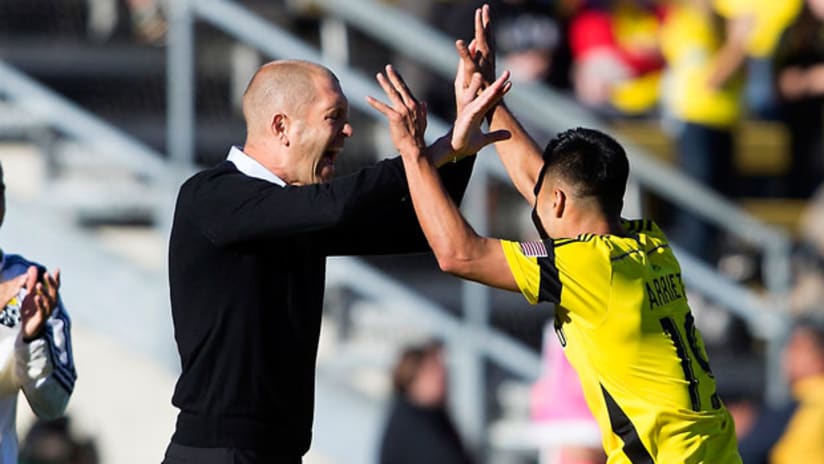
[249,28]
[355,274]
[49,108]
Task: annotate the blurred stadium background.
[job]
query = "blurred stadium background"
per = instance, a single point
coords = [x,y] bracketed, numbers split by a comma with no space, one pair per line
[107,105]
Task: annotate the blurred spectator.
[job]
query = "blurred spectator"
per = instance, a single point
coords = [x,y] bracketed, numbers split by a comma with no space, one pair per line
[147,20]
[800,83]
[419,429]
[617,60]
[705,48]
[557,398]
[52,442]
[803,439]
[795,433]
[769,19]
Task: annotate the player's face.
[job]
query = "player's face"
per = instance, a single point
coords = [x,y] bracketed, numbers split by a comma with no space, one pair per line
[320,132]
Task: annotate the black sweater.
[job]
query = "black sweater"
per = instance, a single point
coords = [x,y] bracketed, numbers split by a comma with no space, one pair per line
[247,263]
[416,435]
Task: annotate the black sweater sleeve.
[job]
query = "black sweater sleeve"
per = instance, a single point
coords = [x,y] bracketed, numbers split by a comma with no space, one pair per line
[390,225]
[230,207]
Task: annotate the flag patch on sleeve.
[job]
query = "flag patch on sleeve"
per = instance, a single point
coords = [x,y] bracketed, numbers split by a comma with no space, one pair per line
[534,249]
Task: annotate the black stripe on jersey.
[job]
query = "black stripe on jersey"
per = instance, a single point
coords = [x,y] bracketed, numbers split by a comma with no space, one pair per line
[550,283]
[663,245]
[686,362]
[624,255]
[634,226]
[563,241]
[622,426]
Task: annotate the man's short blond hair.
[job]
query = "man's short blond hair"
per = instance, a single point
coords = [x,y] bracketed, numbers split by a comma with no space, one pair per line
[281,86]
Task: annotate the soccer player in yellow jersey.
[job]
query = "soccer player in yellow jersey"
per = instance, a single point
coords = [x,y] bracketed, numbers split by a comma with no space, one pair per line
[621,309]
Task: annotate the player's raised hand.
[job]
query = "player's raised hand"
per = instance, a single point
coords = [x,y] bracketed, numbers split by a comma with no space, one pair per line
[479,54]
[467,136]
[482,47]
[406,115]
[39,303]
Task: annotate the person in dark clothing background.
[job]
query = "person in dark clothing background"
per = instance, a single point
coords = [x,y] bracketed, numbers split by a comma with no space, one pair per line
[800,83]
[418,427]
[247,258]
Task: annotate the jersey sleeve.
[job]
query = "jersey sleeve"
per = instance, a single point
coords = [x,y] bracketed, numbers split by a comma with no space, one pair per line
[570,272]
[532,265]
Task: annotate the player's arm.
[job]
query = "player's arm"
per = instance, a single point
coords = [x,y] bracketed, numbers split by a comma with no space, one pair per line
[457,247]
[520,154]
[44,367]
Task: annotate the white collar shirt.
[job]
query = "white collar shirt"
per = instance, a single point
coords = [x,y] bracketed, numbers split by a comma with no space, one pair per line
[249,166]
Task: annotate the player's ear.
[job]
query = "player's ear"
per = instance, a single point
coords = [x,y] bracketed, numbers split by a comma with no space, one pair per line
[559,198]
[279,128]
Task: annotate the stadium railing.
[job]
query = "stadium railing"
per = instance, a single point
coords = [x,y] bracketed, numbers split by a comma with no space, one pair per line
[43,106]
[32,107]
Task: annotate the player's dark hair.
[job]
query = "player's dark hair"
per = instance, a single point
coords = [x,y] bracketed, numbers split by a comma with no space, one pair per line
[593,163]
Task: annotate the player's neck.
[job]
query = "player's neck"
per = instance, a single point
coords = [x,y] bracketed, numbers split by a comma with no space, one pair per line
[594,223]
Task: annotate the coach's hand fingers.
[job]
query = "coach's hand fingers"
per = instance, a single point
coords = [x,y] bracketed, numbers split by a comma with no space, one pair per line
[394,97]
[400,86]
[380,106]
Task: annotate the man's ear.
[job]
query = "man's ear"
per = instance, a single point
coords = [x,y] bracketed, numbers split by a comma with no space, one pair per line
[280,128]
[559,198]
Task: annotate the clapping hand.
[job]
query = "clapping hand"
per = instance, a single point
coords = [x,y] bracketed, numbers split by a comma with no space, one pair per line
[39,302]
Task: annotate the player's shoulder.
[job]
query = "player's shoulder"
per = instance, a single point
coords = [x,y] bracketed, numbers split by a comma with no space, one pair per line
[646,227]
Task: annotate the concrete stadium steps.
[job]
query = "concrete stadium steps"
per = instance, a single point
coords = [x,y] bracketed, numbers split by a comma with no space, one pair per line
[762,148]
[762,153]
[82,184]
[784,212]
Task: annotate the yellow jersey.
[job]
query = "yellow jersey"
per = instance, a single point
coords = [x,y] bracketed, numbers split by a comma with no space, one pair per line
[622,316]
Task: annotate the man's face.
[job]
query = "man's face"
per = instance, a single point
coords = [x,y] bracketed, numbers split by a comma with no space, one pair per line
[318,131]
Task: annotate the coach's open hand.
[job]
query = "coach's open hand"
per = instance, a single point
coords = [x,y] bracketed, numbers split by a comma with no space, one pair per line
[407,116]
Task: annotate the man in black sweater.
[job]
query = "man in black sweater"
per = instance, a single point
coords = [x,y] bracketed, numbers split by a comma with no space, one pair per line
[247,260]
